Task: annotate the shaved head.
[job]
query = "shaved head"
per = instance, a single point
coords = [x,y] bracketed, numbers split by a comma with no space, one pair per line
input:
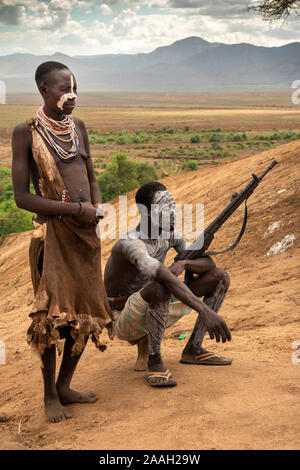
[44,72]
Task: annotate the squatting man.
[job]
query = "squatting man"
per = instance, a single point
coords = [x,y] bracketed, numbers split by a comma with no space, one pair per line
[148,297]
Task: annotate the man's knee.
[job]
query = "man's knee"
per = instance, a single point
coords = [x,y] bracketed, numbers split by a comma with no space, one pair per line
[220,275]
[156,293]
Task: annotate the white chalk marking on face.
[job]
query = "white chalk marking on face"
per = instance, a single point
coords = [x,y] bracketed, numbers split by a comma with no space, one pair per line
[164,205]
[67,96]
[164,201]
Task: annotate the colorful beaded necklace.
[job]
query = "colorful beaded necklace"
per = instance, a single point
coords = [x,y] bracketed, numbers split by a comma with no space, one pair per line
[48,127]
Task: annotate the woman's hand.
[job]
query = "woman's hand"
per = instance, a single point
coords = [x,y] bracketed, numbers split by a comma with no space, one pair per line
[88,214]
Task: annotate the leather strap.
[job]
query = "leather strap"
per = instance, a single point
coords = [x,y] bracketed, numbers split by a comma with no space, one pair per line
[208,253]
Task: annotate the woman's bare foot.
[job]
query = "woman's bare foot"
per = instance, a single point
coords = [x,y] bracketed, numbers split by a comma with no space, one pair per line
[55,411]
[71,396]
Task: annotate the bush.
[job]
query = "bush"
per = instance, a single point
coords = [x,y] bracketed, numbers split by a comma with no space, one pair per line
[237,137]
[169,130]
[5,178]
[216,146]
[123,175]
[121,140]
[96,138]
[195,139]
[188,165]
[215,138]
[13,219]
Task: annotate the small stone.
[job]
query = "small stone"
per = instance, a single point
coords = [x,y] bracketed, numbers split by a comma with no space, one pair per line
[4,417]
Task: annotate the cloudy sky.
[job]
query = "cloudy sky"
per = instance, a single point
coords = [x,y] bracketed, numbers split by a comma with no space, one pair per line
[78,27]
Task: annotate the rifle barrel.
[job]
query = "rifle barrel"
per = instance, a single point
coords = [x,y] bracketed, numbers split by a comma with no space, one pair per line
[274,162]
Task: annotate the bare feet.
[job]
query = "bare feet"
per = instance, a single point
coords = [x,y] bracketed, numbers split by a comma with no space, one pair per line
[55,411]
[142,359]
[71,396]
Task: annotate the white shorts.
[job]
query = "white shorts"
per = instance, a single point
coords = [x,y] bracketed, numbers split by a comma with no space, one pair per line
[130,323]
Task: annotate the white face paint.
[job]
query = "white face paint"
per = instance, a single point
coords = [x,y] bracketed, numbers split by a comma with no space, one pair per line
[164,209]
[67,96]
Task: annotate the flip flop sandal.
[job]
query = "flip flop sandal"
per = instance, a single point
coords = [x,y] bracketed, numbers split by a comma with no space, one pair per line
[160,379]
[204,359]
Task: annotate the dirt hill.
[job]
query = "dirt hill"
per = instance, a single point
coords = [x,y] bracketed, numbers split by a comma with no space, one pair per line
[252,404]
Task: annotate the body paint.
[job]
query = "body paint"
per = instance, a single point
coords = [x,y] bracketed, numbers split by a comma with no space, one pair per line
[163,214]
[67,96]
[214,301]
[156,319]
[136,252]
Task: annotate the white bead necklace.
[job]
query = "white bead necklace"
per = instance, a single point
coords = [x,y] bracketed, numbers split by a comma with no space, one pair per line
[49,127]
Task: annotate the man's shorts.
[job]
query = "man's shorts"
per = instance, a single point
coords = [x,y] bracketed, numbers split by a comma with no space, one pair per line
[130,323]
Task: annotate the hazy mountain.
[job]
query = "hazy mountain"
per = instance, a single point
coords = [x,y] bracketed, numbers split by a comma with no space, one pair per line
[191,64]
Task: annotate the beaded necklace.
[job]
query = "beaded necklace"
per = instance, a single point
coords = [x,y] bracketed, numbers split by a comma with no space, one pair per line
[48,127]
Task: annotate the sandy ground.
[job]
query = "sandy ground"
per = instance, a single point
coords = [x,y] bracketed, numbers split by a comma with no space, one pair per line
[252,404]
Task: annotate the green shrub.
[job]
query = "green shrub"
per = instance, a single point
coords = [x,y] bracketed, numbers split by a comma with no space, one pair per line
[195,139]
[5,178]
[216,146]
[169,130]
[121,140]
[215,138]
[188,165]
[96,139]
[123,175]
[13,219]
[237,137]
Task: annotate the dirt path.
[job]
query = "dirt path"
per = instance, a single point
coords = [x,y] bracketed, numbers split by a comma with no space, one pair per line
[252,404]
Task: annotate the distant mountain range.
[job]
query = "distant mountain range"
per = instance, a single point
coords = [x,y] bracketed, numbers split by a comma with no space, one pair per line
[190,64]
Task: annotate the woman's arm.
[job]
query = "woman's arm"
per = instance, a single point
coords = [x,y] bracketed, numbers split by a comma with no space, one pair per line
[21,149]
[96,195]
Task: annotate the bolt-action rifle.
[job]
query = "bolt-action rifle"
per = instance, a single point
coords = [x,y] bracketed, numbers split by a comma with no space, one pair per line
[198,249]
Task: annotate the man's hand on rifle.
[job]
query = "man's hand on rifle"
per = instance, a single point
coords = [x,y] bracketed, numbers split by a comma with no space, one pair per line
[177,268]
[196,266]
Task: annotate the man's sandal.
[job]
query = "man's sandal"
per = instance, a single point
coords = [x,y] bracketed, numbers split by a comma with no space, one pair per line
[207,359]
[160,379]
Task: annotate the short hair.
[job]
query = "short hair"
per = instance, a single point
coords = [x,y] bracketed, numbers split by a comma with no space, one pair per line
[46,68]
[145,194]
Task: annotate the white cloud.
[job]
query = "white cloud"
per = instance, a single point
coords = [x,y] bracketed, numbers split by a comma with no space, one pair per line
[105,9]
[64,5]
[46,27]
